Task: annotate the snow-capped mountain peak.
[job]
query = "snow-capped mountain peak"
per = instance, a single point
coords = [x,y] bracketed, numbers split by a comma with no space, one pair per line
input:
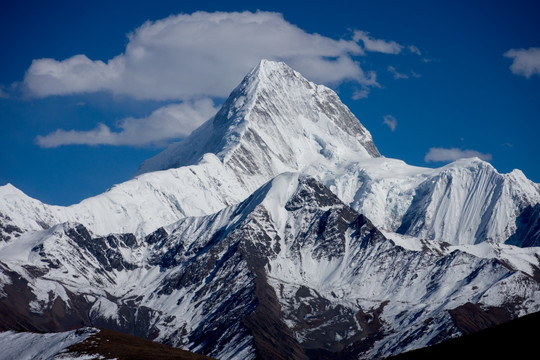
[274,121]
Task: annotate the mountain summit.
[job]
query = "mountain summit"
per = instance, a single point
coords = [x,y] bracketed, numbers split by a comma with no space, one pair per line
[274,121]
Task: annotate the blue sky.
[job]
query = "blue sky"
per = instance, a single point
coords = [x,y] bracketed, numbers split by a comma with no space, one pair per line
[89,90]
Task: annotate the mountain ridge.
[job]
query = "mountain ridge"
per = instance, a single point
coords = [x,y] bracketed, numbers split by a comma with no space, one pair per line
[290,252]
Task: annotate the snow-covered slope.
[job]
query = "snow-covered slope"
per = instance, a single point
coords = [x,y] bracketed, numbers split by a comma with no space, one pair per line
[465,202]
[34,346]
[140,205]
[86,344]
[468,202]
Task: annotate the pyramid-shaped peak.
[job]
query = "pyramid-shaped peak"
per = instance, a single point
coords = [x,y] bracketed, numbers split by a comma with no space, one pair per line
[271,65]
[267,68]
[273,74]
[274,121]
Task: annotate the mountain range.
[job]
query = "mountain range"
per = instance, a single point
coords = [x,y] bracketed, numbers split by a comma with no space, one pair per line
[277,230]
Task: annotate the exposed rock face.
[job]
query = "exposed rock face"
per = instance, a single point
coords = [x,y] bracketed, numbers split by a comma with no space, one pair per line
[8,230]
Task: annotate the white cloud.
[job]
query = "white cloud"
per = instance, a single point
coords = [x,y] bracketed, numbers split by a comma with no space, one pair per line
[360,94]
[446,155]
[390,121]
[397,75]
[377,45]
[414,50]
[363,91]
[190,56]
[167,123]
[526,62]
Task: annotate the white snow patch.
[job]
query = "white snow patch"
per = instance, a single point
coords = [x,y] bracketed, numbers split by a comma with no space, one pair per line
[32,346]
[105,308]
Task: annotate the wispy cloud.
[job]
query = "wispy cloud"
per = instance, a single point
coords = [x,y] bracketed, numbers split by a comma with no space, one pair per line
[377,45]
[197,55]
[167,123]
[413,49]
[396,74]
[526,62]
[436,154]
[360,94]
[390,121]
[364,89]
